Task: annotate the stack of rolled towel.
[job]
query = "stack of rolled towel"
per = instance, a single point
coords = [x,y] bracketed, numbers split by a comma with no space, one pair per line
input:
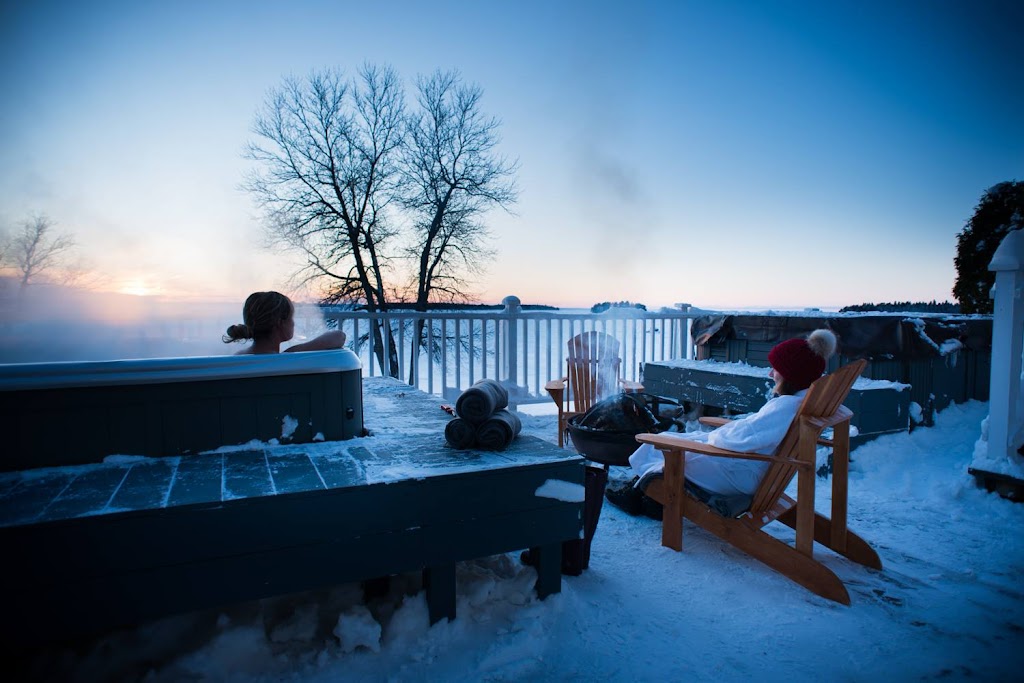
[483,419]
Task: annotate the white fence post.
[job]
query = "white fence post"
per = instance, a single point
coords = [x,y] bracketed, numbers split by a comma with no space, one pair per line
[513,307]
[1006,414]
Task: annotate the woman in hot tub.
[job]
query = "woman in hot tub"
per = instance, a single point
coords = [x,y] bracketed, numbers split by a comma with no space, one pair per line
[269,320]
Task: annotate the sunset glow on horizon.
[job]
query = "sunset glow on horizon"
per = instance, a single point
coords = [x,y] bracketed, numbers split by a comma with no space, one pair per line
[138,288]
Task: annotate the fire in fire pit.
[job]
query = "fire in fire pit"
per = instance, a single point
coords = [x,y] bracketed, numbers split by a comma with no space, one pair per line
[606,433]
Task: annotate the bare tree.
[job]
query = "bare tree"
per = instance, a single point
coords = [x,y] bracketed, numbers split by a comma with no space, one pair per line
[37,249]
[328,149]
[452,175]
[386,207]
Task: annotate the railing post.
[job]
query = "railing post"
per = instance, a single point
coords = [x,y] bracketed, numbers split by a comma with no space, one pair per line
[685,331]
[513,308]
[1006,414]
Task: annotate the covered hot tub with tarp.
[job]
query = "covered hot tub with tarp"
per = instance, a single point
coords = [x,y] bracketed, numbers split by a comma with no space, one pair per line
[917,363]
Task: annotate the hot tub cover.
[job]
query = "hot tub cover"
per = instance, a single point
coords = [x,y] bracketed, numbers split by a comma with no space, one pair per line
[20,376]
[871,336]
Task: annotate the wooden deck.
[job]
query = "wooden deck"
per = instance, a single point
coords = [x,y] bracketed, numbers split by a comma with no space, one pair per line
[95,547]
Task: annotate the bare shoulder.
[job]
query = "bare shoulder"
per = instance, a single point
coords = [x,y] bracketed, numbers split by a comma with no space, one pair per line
[335,339]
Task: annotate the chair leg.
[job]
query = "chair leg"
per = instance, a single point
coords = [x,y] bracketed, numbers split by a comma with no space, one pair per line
[840,481]
[806,483]
[668,490]
[780,556]
[856,548]
[672,519]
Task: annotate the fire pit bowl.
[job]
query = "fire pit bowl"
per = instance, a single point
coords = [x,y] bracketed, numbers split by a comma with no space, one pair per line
[602,445]
[607,432]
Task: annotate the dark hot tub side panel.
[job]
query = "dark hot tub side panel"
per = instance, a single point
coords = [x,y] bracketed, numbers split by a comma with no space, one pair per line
[78,425]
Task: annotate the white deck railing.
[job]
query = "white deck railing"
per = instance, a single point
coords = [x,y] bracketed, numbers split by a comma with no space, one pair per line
[523,349]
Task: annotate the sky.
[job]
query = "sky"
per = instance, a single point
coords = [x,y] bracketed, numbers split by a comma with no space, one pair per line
[836,148]
[947,604]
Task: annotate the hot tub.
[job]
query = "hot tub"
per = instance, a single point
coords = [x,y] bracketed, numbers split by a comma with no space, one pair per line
[54,414]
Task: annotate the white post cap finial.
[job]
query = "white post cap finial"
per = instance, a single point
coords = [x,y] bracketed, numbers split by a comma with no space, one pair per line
[1010,252]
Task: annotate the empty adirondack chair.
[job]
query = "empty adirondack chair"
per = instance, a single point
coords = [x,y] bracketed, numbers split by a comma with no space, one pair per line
[593,372]
[821,408]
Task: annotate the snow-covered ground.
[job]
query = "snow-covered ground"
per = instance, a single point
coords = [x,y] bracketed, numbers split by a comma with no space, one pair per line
[949,603]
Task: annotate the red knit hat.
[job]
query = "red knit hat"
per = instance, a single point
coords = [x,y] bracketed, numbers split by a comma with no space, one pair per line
[801,361]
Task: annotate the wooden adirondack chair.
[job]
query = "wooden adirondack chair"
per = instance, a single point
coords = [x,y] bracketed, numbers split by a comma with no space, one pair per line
[593,368]
[821,408]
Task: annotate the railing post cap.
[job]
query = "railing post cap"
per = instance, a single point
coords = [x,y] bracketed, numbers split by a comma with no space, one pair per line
[511,302]
[1009,255]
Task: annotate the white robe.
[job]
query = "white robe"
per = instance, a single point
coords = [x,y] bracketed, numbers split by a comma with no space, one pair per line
[758,433]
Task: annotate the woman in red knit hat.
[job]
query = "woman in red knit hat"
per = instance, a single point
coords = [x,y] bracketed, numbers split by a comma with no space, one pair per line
[728,483]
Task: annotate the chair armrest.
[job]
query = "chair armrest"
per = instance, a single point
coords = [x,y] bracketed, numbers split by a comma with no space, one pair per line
[665,442]
[842,414]
[713,421]
[631,386]
[556,390]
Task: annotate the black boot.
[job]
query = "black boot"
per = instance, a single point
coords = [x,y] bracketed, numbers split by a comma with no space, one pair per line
[627,497]
[652,508]
[648,506]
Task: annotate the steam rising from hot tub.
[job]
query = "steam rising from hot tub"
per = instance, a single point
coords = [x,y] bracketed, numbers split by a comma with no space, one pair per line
[50,323]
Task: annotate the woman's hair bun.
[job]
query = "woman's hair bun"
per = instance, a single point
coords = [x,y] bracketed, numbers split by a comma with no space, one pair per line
[237,332]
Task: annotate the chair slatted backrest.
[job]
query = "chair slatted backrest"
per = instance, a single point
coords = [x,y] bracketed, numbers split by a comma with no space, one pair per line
[823,399]
[592,367]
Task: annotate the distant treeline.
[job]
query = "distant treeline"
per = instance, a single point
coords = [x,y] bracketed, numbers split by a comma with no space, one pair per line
[905,307]
[605,305]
